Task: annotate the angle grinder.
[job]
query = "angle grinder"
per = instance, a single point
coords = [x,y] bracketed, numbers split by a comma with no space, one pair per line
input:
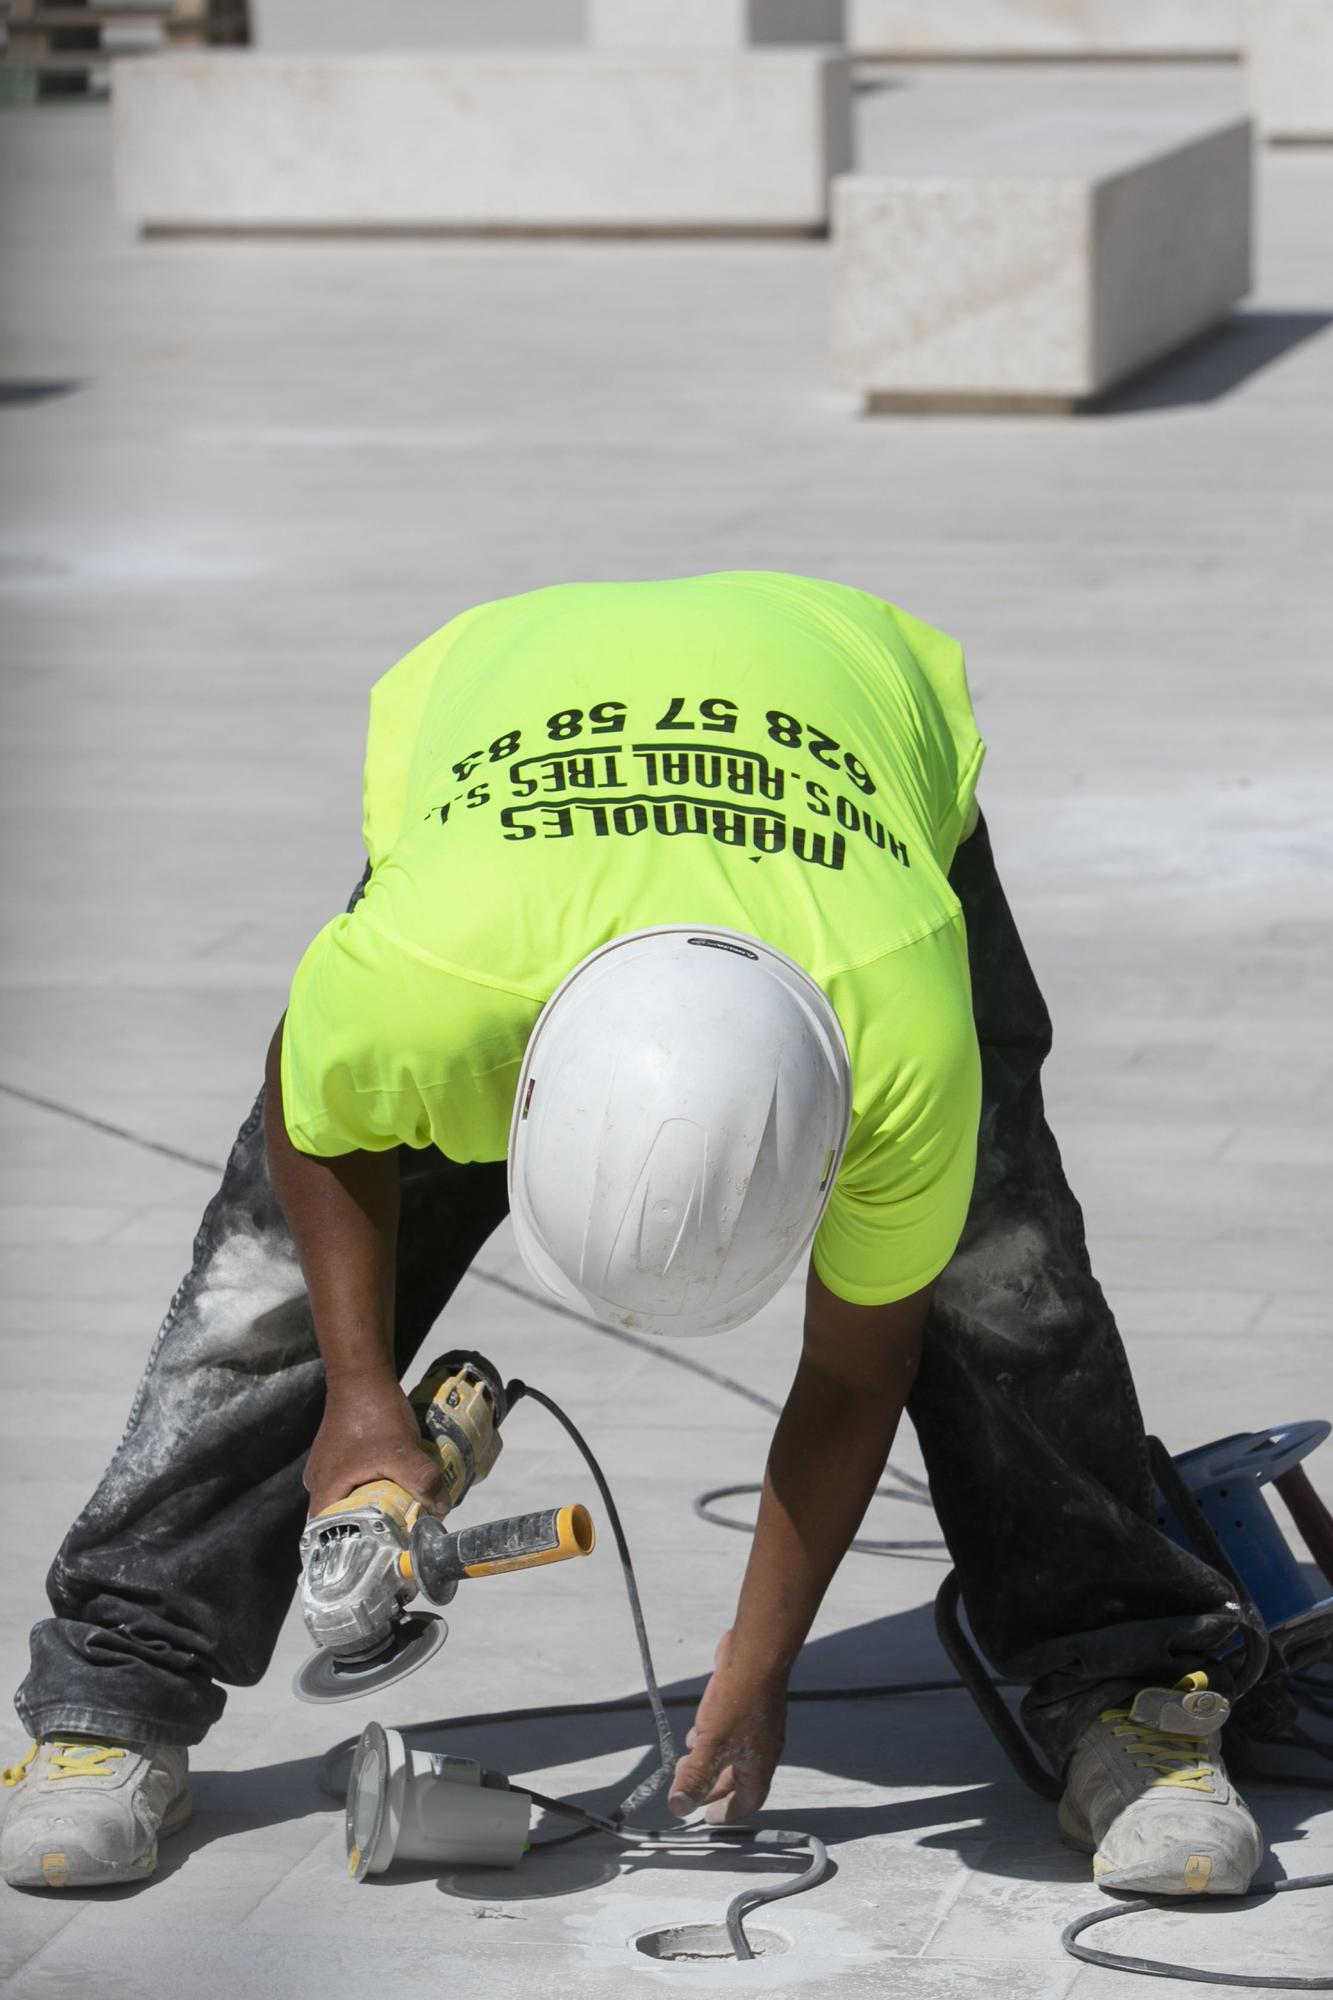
[366,1557]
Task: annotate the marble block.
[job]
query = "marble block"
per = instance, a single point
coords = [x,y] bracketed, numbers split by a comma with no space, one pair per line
[493,140]
[1041,261]
[332,27]
[716,24]
[1034,28]
[1289,67]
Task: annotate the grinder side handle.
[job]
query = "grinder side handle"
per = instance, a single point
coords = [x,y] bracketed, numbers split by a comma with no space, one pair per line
[442,1558]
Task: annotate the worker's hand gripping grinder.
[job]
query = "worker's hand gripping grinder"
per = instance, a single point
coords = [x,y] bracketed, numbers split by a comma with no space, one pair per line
[365,1557]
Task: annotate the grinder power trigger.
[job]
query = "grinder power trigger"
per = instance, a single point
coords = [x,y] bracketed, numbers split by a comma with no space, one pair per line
[365,1557]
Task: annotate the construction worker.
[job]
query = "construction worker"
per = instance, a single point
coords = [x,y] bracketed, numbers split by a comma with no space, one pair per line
[729,823]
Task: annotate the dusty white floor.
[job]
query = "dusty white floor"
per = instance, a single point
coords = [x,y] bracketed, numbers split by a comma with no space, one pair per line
[276,465]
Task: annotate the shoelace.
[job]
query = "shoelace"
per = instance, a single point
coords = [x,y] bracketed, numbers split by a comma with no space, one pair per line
[68,1760]
[14,1774]
[1177,1760]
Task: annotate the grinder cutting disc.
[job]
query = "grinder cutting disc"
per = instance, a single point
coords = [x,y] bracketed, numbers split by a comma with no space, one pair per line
[415,1638]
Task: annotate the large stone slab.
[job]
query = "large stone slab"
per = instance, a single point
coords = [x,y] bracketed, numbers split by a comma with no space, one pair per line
[488,140]
[1289,67]
[1041,261]
[330,27]
[1035,28]
[718,24]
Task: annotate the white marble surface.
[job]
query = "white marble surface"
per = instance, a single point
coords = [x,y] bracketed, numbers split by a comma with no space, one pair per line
[723,24]
[278,465]
[342,26]
[1289,67]
[1172,249]
[1034,28]
[565,139]
[1040,256]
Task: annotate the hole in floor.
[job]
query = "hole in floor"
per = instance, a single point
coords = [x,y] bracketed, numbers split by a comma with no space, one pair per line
[694,1944]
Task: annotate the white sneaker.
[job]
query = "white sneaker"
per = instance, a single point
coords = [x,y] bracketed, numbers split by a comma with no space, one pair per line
[1148,1796]
[89,1813]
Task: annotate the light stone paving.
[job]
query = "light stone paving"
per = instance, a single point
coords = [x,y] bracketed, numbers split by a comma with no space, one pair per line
[277,466]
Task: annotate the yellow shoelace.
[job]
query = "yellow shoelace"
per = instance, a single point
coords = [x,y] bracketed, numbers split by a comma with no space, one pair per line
[69,1760]
[1177,1760]
[14,1774]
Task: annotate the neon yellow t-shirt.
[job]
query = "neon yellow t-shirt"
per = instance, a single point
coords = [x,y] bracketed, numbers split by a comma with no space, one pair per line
[791,759]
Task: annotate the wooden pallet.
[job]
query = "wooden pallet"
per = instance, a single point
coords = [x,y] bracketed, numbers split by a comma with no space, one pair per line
[61,48]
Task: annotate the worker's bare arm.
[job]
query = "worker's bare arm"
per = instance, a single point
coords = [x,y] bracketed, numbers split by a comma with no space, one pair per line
[857,1367]
[343,1217]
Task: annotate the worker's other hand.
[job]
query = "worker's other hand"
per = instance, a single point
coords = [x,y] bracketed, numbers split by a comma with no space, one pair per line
[734,1746]
[369,1432]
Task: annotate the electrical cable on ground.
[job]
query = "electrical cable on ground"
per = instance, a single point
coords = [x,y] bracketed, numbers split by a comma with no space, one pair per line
[666,1742]
[704,1505]
[1207,1975]
[749,1900]
[694,1835]
[1316,1690]
[752,1899]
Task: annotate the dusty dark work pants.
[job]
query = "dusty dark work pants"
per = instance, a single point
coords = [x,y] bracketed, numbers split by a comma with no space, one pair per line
[178,1573]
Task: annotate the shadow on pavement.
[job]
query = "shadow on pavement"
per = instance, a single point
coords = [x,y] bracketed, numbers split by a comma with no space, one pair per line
[1212,367]
[13,392]
[935,1746]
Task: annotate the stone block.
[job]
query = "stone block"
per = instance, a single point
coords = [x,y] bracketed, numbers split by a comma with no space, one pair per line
[1037,28]
[494,140]
[1041,261]
[713,24]
[334,27]
[1289,67]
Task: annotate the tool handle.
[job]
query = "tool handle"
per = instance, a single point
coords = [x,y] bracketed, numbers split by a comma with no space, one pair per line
[441,1557]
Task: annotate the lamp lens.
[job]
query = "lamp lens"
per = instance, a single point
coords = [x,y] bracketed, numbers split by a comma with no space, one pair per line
[367,1800]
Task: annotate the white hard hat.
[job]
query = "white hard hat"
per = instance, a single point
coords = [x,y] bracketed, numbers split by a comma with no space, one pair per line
[679,1123]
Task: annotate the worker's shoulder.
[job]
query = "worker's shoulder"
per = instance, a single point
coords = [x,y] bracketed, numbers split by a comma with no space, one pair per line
[496,619]
[914,991]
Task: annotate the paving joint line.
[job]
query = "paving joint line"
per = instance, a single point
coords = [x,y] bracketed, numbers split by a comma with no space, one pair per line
[485,1277]
[105,1125]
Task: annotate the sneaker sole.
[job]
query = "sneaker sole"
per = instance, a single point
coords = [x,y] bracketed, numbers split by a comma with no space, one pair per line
[1203,1873]
[72,1867]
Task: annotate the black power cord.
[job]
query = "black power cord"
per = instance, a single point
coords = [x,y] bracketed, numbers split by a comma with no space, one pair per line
[705,1506]
[1161,1969]
[709,1838]
[983,1688]
[1315,1690]
[973,1679]
[666,1742]
[693,1834]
